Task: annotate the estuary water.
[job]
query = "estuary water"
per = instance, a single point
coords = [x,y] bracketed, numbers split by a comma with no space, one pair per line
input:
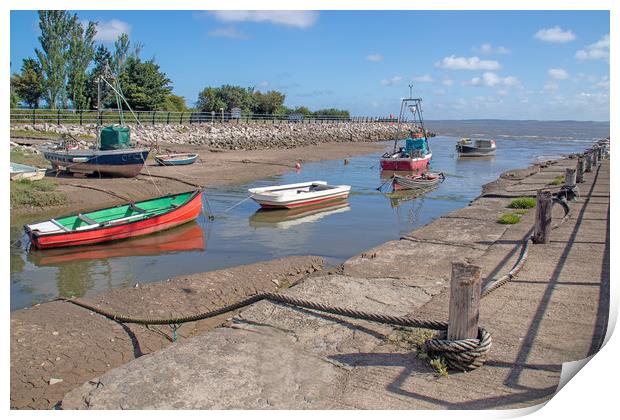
[243,234]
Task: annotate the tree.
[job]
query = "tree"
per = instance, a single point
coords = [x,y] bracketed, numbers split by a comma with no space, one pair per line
[121,53]
[14,97]
[268,103]
[302,110]
[55,27]
[175,103]
[332,112]
[29,84]
[102,59]
[209,100]
[79,56]
[144,86]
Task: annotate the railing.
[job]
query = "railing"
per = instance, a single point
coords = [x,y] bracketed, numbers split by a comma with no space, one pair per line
[112,116]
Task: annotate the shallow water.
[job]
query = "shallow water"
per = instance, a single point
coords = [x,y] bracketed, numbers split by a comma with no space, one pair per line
[242,234]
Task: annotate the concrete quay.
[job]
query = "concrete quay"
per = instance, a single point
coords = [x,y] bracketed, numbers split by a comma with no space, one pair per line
[273,356]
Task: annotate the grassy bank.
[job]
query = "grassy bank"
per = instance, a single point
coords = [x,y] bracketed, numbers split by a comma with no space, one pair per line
[26,193]
[28,158]
[45,135]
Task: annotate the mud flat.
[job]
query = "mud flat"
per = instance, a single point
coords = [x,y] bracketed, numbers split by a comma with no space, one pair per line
[214,168]
[281,357]
[57,346]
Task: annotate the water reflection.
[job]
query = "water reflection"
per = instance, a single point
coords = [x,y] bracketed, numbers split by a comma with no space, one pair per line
[284,219]
[187,237]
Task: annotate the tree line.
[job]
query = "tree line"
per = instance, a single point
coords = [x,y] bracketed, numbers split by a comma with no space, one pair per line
[64,71]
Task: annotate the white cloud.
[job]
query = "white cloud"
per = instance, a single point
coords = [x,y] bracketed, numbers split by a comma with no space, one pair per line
[488,49]
[426,78]
[295,18]
[603,83]
[598,50]
[109,31]
[374,57]
[558,74]
[551,86]
[228,32]
[447,82]
[491,79]
[439,92]
[391,81]
[555,34]
[471,63]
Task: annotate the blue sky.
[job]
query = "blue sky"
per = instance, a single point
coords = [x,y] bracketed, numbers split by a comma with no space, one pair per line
[464,64]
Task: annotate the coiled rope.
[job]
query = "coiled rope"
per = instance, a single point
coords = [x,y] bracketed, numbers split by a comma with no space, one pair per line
[461,355]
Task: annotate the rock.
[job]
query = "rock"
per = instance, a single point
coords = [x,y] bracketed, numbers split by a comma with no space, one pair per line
[54,381]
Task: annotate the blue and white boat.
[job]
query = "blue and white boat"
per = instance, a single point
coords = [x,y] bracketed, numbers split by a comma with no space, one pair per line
[176,159]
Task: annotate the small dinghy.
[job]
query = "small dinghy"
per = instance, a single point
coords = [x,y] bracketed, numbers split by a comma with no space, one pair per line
[19,171]
[120,222]
[417,182]
[176,159]
[475,148]
[297,195]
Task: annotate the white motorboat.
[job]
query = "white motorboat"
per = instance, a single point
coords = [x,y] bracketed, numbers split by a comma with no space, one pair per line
[297,195]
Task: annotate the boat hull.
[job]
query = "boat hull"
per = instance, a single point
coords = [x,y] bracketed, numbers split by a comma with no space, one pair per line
[183,214]
[172,160]
[298,195]
[406,164]
[416,183]
[302,203]
[465,150]
[126,163]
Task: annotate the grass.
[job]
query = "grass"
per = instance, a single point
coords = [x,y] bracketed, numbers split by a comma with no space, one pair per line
[45,135]
[523,203]
[558,180]
[27,158]
[509,219]
[414,339]
[521,212]
[26,193]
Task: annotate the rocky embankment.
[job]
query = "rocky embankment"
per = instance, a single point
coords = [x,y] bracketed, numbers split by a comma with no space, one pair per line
[233,136]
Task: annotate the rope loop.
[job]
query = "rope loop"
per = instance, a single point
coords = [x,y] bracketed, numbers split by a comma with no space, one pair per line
[461,355]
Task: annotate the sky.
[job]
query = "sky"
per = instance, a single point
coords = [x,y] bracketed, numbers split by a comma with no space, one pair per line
[545,65]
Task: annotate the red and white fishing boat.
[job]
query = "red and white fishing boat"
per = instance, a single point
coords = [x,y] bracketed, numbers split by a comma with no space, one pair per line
[298,195]
[416,154]
[120,222]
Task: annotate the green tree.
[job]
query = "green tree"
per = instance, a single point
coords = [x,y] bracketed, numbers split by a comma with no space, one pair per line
[269,102]
[102,59]
[144,86]
[14,97]
[55,28]
[332,112]
[29,84]
[302,110]
[79,56]
[121,53]
[175,103]
[209,100]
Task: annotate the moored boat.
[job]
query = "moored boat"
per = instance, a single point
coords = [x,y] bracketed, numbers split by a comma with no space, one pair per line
[125,163]
[476,148]
[119,222]
[19,171]
[176,159]
[417,182]
[416,153]
[297,195]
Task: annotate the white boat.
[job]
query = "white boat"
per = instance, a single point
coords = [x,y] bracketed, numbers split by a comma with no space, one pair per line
[475,148]
[19,171]
[297,195]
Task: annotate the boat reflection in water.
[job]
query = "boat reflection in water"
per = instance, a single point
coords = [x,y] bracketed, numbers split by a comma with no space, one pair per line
[187,237]
[284,219]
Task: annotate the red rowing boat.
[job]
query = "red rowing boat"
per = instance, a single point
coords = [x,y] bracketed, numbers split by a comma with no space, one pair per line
[120,222]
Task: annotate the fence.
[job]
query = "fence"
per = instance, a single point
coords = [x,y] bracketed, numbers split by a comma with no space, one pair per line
[112,116]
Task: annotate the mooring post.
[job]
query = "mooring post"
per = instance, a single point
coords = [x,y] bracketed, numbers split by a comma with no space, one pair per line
[464,301]
[594,158]
[570,177]
[588,161]
[581,167]
[542,226]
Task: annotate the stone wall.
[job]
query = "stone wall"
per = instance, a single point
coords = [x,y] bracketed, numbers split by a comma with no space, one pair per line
[243,136]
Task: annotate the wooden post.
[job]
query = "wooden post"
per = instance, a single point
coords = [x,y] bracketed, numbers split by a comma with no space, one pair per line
[595,157]
[581,167]
[588,161]
[464,301]
[542,225]
[570,177]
